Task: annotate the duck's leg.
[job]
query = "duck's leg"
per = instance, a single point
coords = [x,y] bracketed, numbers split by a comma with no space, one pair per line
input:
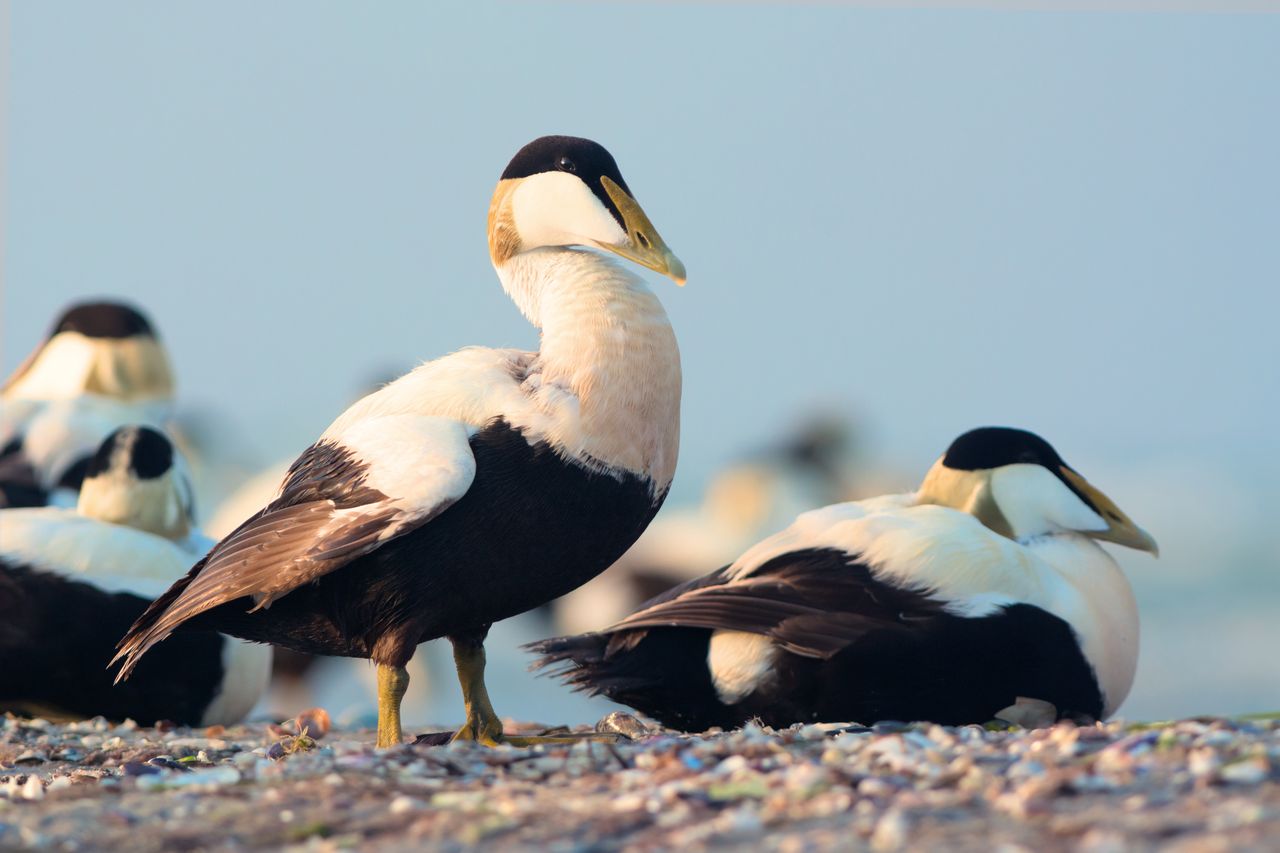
[393,681]
[483,724]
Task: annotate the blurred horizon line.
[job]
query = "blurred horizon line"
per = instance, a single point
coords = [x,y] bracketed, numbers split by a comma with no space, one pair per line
[1089,6]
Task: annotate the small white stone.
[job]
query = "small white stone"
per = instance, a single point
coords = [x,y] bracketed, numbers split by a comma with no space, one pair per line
[246,760]
[1251,771]
[404,805]
[739,823]
[806,779]
[874,786]
[627,803]
[1103,841]
[1203,762]
[731,765]
[890,832]
[33,789]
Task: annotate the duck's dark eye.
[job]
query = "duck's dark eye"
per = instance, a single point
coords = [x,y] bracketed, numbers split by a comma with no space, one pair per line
[564,164]
[1029,456]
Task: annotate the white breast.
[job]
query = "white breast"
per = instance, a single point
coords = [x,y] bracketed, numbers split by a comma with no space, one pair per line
[1094,597]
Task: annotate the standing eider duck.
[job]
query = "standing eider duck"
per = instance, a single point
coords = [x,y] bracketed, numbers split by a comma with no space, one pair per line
[101,367]
[984,590]
[482,484]
[71,581]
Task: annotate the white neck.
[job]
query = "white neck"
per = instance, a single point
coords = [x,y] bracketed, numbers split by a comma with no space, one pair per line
[608,345]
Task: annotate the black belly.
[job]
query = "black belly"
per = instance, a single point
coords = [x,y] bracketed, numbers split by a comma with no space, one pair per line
[952,671]
[57,635]
[531,528]
[946,669]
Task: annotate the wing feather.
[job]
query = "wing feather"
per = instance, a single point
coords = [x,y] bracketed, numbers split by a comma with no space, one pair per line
[342,498]
[813,602]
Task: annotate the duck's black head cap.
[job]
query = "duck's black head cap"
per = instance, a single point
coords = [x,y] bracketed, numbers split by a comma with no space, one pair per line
[150,454]
[104,320]
[589,160]
[992,447]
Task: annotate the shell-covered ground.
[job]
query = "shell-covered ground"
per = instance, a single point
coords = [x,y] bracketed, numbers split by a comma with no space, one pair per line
[1201,784]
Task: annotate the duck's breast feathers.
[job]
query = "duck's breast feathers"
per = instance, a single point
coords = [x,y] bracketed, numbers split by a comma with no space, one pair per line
[354,490]
[111,557]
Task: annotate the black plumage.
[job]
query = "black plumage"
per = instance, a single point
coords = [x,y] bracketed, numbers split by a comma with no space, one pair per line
[104,320]
[450,576]
[849,647]
[57,635]
[19,484]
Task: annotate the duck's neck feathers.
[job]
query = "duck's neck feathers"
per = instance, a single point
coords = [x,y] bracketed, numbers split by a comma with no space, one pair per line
[603,389]
[608,356]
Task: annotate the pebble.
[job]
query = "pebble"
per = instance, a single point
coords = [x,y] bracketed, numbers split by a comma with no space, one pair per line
[892,786]
[1249,771]
[139,768]
[404,805]
[890,832]
[620,722]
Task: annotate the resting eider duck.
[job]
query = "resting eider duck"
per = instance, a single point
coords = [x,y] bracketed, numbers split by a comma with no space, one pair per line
[984,589]
[482,484]
[101,367]
[71,581]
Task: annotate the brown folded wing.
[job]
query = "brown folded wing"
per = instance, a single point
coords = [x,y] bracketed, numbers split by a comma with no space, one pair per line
[813,603]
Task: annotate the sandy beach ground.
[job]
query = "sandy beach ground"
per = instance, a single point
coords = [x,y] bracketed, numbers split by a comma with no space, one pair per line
[1201,784]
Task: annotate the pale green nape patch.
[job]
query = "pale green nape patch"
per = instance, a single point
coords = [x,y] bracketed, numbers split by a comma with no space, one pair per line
[967,491]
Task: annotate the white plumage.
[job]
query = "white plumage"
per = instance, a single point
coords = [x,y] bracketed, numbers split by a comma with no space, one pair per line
[132,533]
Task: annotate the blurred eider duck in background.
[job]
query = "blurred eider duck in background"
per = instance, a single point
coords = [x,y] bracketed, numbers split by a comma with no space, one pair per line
[71,581]
[746,501]
[101,367]
[983,595]
[482,484]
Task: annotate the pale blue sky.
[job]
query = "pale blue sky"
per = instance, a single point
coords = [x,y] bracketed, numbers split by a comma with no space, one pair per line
[931,218]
